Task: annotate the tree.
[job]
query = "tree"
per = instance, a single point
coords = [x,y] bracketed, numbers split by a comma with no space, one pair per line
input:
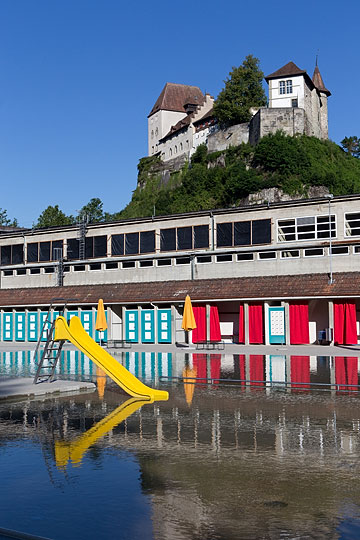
[52,216]
[93,211]
[351,145]
[5,221]
[243,90]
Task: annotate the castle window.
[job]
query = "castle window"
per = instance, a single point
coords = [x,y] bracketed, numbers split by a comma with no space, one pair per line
[175,149]
[181,147]
[170,152]
[152,133]
[156,132]
[289,87]
[294,103]
[282,87]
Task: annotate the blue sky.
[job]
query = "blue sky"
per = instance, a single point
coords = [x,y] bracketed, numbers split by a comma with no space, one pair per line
[79,77]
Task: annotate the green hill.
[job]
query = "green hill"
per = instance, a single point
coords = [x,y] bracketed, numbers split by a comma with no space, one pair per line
[223,179]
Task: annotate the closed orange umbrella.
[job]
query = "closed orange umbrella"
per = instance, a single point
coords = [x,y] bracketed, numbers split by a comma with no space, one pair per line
[100,324]
[100,382]
[188,322]
[189,385]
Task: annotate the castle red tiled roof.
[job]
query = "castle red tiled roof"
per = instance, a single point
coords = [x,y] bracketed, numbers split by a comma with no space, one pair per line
[346,284]
[290,69]
[174,96]
[318,82]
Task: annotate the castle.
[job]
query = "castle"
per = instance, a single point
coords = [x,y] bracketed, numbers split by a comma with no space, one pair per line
[182,117]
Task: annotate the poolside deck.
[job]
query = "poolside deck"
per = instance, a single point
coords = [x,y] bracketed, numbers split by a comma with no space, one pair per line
[13,387]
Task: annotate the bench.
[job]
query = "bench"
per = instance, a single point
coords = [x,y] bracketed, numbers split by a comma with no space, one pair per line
[119,344]
[214,345]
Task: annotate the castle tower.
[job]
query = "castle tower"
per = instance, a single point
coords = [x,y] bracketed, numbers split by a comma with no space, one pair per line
[323,94]
[171,106]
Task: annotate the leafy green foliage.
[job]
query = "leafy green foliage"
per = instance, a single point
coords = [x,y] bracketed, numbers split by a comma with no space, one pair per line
[351,145]
[243,90]
[223,179]
[5,221]
[93,211]
[52,216]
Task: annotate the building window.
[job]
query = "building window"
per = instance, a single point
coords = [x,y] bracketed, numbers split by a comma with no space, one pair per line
[170,152]
[152,133]
[243,233]
[175,149]
[282,87]
[182,238]
[306,228]
[187,144]
[95,246]
[294,103]
[156,132]
[13,254]
[289,87]
[181,147]
[352,224]
[44,251]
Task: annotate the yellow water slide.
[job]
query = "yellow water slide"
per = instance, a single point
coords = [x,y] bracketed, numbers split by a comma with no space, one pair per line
[74,451]
[75,333]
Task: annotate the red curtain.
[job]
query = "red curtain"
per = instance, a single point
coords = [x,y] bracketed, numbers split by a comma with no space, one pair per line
[256,369]
[299,323]
[215,367]
[199,333]
[256,333]
[300,371]
[199,363]
[242,368]
[346,372]
[215,334]
[345,332]
[241,324]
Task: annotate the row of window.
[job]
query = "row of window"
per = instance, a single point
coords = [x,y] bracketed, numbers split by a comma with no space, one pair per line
[200,259]
[229,234]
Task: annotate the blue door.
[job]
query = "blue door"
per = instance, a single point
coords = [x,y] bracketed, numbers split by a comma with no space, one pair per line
[32,326]
[164,326]
[147,326]
[132,325]
[20,326]
[276,325]
[86,321]
[7,326]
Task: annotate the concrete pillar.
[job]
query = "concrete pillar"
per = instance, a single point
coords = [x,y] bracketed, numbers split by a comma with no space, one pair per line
[123,311]
[266,321]
[207,321]
[287,322]
[246,322]
[139,309]
[155,324]
[109,322]
[331,318]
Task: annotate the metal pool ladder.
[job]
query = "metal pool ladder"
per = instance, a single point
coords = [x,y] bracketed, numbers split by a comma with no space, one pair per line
[52,350]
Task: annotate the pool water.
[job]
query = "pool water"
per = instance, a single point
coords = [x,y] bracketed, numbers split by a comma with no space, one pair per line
[224,458]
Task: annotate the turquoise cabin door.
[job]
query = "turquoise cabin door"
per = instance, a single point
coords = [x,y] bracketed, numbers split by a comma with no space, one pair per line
[147,326]
[7,326]
[164,326]
[32,326]
[70,314]
[132,326]
[276,325]
[86,321]
[20,326]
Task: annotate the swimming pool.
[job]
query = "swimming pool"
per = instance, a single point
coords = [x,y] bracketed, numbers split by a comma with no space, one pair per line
[222,459]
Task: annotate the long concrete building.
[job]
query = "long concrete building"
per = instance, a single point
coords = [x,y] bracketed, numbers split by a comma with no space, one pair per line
[283,272]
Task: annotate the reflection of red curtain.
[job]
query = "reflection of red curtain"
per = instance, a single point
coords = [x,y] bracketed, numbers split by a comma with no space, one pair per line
[345,323]
[256,362]
[215,334]
[199,363]
[215,366]
[242,368]
[299,323]
[241,324]
[300,371]
[256,323]
[346,372]
[199,333]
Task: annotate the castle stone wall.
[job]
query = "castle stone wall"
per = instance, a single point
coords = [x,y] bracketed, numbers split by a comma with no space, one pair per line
[232,136]
[288,120]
